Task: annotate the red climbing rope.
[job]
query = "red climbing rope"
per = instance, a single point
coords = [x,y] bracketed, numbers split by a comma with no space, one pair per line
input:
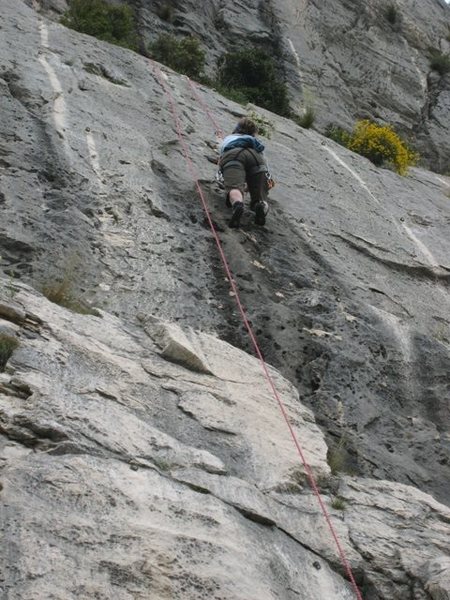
[242,311]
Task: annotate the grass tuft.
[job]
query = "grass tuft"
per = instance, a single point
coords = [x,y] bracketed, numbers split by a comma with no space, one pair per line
[307,119]
[8,344]
[338,503]
[62,293]
[391,14]
[165,13]
[265,127]
[336,459]
[440,62]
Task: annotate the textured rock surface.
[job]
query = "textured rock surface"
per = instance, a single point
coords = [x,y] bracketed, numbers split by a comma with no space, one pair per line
[98,501]
[345,58]
[117,483]
[347,289]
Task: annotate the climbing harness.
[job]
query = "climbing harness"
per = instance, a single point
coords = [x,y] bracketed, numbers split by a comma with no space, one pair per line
[243,313]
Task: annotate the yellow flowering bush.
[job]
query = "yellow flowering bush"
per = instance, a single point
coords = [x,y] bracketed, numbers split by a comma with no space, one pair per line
[381,145]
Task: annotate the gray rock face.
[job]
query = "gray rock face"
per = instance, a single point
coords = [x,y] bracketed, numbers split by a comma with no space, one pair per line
[116,483]
[125,475]
[346,288]
[346,59]
[351,62]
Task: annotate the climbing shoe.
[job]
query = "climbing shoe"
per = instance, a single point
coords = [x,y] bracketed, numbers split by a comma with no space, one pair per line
[238,209]
[261,210]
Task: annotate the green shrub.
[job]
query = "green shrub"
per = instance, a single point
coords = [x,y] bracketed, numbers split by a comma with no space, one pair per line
[307,119]
[183,55]
[231,93]
[338,134]
[7,346]
[115,24]
[440,62]
[265,127]
[253,74]
[391,14]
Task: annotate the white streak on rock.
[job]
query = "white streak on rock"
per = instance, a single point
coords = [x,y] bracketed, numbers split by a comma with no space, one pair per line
[93,157]
[296,57]
[421,246]
[43,31]
[353,173]
[429,256]
[59,105]
[414,54]
[399,332]
[446,183]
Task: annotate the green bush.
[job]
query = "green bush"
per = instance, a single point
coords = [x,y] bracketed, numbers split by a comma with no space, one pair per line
[183,55]
[115,24]
[440,62]
[265,127]
[7,346]
[253,74]
[230,93]
[337,134]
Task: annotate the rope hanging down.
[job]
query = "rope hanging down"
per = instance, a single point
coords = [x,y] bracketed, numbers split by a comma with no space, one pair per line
[243,313]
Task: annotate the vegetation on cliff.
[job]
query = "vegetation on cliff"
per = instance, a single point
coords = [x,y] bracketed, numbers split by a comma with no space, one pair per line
[114,24]
[379,143]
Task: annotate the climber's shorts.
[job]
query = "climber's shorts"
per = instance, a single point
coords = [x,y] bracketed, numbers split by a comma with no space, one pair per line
[238,168]
[234,177]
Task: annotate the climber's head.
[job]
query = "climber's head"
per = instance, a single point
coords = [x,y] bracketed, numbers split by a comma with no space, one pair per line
[246,126]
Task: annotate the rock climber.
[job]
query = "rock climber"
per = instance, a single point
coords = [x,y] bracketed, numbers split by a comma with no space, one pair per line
[242,164]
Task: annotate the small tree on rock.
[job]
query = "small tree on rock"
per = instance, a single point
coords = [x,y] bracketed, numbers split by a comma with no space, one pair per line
[115,24]
[253,73]
[183,55]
